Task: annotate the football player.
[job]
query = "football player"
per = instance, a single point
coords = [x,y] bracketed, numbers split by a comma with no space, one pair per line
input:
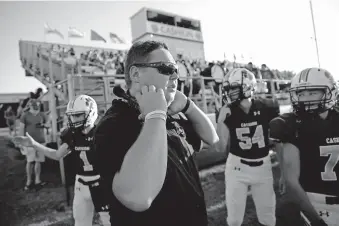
[310,146]
[242,127]
[89,194]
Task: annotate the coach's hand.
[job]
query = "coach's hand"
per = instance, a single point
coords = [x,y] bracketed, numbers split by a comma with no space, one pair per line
[178,103]
[151,99]
[26,141]
[224,112]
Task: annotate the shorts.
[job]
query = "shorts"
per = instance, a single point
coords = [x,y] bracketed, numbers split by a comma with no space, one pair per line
[10,124]
[33,155]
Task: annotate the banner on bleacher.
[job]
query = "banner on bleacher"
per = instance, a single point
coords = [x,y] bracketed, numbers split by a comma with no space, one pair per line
[172,31]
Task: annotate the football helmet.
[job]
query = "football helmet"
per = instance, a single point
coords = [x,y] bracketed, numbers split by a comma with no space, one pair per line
[82,112]
[239,84]
[313,79]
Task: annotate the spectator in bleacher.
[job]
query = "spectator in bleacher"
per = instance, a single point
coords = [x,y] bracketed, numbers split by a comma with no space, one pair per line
[254,70]
[33,122]
[207,73]
[10,120]
[267,73]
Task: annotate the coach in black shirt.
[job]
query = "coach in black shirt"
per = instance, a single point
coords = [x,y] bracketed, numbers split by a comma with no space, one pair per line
[145,144]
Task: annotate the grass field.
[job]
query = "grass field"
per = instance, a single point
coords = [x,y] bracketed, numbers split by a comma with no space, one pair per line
[48,206]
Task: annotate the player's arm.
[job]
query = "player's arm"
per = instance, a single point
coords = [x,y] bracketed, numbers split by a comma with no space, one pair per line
[291,170]
[61,152]
[52,153]
[283,134]
[202,124]
[224,138]
[223,131]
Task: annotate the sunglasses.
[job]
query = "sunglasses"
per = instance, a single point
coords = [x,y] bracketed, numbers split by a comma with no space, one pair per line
[162,67]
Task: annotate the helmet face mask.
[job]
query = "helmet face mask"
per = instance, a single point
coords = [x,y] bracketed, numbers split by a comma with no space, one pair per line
[77,120]
[313,91]
[310,100]
[81,112]
[239,85]
[233,92]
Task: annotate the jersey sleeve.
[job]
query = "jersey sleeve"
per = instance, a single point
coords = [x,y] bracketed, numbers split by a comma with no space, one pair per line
[66,136]
[282,129]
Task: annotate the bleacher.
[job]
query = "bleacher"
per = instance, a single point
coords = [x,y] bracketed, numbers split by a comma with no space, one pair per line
[73,70]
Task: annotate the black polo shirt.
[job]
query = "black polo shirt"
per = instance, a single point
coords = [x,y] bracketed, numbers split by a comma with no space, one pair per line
[181,199]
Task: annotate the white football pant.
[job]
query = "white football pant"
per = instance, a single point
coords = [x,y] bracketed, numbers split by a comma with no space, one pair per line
[329,213]
[83,207]
[238,178]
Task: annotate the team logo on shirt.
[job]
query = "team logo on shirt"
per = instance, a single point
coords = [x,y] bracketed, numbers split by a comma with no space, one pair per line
[82,148]
[332,140]
[256,113]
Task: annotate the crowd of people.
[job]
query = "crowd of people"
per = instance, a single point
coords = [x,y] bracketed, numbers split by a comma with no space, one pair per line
[112,62]
[136,167]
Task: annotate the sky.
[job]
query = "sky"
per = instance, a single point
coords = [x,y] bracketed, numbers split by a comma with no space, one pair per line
[278,33]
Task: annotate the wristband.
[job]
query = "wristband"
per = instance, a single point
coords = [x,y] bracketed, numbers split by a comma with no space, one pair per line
[188,103]
[156,114]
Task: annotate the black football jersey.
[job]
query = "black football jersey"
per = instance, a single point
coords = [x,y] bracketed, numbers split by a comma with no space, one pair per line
[83,146]
[318,144]
[249,132]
